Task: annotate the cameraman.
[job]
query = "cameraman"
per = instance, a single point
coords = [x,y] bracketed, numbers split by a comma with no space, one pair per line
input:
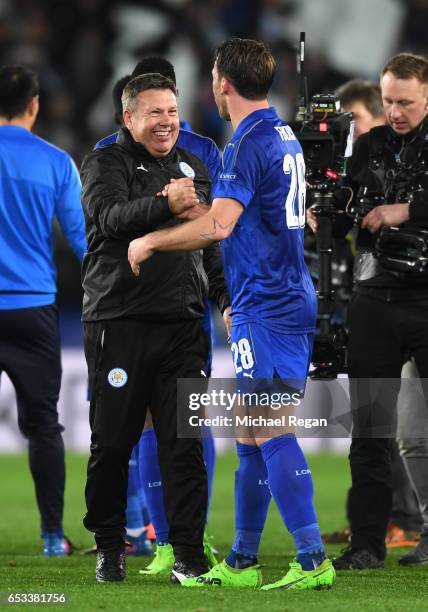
[364,100]
[388,315]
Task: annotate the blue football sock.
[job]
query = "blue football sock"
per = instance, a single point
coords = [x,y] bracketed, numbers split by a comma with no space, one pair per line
[143,506]
[141,496]
[134,516]
[252,497]
[208,447]
[59,533]
[152,484]
[290,482]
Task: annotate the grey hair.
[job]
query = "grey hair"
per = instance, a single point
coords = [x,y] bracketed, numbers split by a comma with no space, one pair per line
[143,82]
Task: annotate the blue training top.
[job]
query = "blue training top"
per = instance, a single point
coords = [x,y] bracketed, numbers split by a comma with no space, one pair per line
[38,182]
[263,168]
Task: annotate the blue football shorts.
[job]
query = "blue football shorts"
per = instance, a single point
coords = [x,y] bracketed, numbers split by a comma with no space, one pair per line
[260,354]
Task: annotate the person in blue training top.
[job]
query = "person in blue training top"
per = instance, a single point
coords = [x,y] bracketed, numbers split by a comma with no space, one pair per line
[259,212]
[144,470]
[38,183]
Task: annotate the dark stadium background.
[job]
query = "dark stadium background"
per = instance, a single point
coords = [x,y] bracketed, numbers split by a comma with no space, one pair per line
[80,47]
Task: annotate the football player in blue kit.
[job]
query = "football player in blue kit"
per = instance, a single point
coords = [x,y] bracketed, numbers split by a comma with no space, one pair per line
[258,212]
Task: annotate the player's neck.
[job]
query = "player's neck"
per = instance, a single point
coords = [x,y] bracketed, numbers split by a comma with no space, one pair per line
[241,108]
[21,121]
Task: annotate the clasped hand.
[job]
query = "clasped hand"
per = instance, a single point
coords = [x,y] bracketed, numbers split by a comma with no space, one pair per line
[183,203]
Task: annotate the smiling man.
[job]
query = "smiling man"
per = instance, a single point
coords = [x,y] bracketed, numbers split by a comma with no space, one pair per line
[141,334]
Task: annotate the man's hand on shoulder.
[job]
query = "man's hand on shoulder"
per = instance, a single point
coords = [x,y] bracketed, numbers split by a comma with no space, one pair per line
[387,215]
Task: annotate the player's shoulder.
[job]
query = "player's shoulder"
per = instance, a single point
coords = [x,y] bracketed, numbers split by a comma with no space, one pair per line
[56,155]
[187,139]
[113,149]
[107,140]
[258,139]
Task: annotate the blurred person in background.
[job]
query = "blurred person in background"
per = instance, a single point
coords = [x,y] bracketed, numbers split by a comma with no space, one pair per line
[364,100]
[39,183]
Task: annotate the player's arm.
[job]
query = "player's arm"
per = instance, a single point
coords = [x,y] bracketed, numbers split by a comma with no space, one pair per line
[215,225]
[68,208]
[213,266]
[105,196]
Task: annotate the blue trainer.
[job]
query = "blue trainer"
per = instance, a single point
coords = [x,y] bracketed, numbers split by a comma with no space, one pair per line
[55,545]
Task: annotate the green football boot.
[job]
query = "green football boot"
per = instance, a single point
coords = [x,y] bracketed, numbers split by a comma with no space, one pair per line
[221,575]
[209,552]
[321,578]
[162,562]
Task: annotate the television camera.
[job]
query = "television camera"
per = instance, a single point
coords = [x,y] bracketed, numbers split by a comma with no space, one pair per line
[325,134]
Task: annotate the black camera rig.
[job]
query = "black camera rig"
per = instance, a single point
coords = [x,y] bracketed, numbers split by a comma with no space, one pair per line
[325,134]
[401,250]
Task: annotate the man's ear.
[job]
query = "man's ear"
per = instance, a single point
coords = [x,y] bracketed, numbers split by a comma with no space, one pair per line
[225,86]
[127,119]
[33,107]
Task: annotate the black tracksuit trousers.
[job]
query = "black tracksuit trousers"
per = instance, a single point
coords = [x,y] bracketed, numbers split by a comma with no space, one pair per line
[382,334]
[134,365]
[30,354]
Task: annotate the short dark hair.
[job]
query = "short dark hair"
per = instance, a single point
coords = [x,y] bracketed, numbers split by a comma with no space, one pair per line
[18,85]
[155,63]
[143,83]
[248,65]
[366,92]
[407,66]
[117,92]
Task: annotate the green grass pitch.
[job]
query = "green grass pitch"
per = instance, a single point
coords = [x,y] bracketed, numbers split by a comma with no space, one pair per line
[22,569]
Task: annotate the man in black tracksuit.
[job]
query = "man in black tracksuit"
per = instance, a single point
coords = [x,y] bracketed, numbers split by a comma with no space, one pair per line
[142,334]
[388,313]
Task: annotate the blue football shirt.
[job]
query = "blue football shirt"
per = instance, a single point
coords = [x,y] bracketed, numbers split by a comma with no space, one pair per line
[263,168]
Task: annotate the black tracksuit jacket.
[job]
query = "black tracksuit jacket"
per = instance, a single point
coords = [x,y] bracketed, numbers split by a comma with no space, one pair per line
[120,183]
